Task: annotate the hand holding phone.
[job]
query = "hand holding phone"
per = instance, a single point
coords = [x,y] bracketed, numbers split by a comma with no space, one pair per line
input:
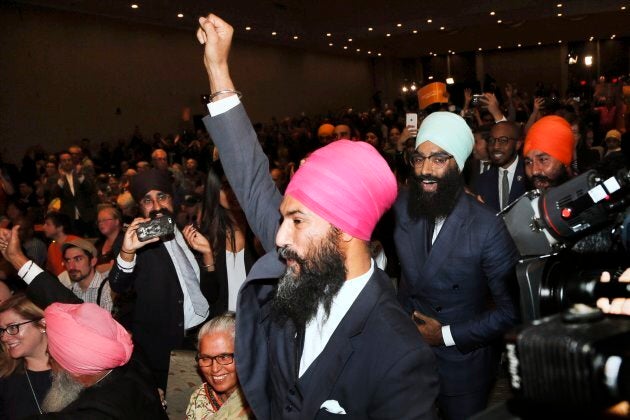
[411,120]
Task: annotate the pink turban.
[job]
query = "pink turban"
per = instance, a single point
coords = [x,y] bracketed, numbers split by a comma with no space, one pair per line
[346,183]
[551,135]
[84,338]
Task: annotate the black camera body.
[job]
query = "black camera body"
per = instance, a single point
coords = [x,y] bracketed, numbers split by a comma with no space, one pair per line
[578,360]
[156,228]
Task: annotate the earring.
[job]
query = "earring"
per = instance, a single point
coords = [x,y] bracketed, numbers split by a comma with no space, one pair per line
[43,331]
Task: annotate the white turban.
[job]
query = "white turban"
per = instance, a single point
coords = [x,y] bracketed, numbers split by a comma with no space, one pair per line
[450,132]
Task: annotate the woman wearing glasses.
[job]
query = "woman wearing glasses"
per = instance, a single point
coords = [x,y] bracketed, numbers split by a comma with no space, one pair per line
[220,396]
[24,369]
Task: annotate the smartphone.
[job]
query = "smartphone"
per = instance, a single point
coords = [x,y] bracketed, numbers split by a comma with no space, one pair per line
[411,119]
[160,227]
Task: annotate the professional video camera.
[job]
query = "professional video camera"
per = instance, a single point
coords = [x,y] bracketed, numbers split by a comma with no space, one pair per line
[576,360]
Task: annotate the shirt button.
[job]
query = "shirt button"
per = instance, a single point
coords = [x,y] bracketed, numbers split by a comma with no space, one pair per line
[291,391]
[181,301]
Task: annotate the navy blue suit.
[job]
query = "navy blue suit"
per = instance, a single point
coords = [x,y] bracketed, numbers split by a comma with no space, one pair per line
[375,365]
[472,259]
[487,185]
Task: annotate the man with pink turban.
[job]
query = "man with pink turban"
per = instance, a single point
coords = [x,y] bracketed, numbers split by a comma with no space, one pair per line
[94,373]
[318,329]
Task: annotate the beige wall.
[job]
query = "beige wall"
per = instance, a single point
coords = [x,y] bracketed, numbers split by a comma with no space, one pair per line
[63,75]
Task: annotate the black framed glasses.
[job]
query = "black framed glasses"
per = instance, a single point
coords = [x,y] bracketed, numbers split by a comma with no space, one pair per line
[503,140]
[222,359]
[13,329]
[439,160]
[161,198]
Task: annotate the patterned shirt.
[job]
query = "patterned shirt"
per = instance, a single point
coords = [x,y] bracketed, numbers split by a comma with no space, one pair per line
[91,293]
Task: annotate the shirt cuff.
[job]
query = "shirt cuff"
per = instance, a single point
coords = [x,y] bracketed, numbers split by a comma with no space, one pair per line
[29,271]
[223,105]
[126,266]
[447,337]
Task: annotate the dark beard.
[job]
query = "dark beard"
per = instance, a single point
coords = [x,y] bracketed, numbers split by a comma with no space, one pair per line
[320,277]
[153,214]
[63,391]
[562,177]
[438,204]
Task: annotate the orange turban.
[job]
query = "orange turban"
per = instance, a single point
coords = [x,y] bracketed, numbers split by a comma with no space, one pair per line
[551,135]
[84,338]
[325,130]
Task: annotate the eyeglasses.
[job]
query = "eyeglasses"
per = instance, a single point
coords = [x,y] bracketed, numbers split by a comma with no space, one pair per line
[160,197]
[13,329]
[222,359]
[503,140]
[439,160]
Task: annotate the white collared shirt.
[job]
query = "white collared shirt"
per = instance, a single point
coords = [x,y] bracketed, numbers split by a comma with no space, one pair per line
[511,170]
[319,329]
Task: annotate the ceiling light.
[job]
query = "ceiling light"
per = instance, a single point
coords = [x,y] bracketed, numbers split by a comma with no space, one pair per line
[388,34]
[430,77]
[328,34]
[415,31]
[499,47]
[370,29]
[442,28]
[539,43]
[330,44]
[429,20]
[450,81]
[480,49]
[345,47]
[623,7]
[295,37]
[588,60]
[379,54]
[492,13]
[453,53]
[180,15]
[369,52]
[591,38]
[519,45]
[248,28]
[559,41]
[349,39]
[559,14]
[274,33]
[613,36]
[404,89]
[134,6]
[399,25]
[559,5]
[499,21]
[358,49]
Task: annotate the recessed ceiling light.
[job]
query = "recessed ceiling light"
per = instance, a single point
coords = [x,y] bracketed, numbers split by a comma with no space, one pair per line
[369,52]
[559,5]
[328,34]
[345,47]
[519,45]
[379,54]
[492,13]
[134,6]
[480,49]
[539,43]
[248,28]
[349,39]
[430,77]
[274,33]
[591,38]
[559,41]
[499,21]
[613,36]
[442,28]
[449,51]
[358,49]
[429,20]
[370,29]
[559,14]
[295,37]
[499,47]
[399,25]
[180,15]
[623,7]
[330,44]
[415,31]
[453,53]
[388,34]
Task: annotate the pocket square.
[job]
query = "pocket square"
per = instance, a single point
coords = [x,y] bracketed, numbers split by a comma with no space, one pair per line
[332,406]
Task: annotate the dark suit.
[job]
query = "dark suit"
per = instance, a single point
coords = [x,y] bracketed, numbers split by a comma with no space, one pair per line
[84,199]
[472,255]
[375,365]
[158,314]
[488,185]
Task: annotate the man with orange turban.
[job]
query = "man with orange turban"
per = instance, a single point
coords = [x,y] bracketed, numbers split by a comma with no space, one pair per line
[548,152]
[94,374]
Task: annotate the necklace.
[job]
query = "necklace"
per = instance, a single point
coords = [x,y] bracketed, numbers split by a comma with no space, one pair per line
[32,391]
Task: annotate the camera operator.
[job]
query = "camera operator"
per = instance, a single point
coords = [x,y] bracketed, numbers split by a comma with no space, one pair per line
[164,274]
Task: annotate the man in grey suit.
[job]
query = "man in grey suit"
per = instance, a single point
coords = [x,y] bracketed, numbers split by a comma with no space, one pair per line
[318,331]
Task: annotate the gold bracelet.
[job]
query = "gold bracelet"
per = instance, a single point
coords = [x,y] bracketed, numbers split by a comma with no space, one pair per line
[208,266]
[224,91]
[128,253]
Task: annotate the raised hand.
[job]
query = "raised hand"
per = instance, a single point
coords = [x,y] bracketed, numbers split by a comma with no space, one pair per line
[131,243]
[196,240]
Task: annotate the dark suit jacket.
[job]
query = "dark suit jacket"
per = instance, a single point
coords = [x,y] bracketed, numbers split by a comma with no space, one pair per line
[158,314]
[488,185]
[472,257]
[375,365]
[84,198]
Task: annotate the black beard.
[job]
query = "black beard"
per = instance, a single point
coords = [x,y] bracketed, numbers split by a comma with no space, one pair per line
[153,214]
[560,179]
[438,204]
[320,277]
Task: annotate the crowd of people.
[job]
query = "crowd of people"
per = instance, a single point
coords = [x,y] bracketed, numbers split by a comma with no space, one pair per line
[286,240]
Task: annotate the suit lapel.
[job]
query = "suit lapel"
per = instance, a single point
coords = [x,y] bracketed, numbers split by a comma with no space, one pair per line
[324,372]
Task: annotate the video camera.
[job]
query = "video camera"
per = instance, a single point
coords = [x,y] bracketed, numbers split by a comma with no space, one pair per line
[569,357]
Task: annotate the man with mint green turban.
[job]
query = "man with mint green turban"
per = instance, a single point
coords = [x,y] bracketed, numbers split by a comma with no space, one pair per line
[456,256]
